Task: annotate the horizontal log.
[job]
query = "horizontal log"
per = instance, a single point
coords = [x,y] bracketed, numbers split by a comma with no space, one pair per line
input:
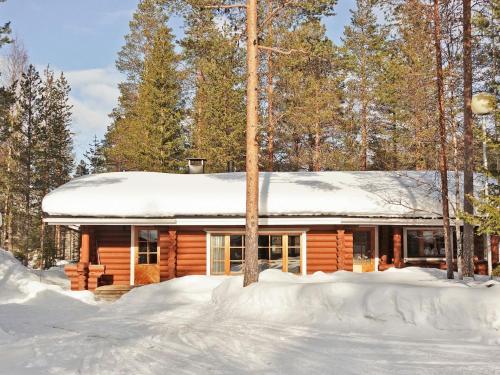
[329,237]
[117,267]
[321,245]
[117,272]
[190,251]
[190,268]
[322,251]
[191,237]
[184,256]
[320,263]
[191,262]
[311,256]
[199,247]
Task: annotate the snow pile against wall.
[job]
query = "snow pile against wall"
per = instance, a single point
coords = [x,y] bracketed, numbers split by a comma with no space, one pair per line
[410,297]
[162,195]
[169,295]
[19,284]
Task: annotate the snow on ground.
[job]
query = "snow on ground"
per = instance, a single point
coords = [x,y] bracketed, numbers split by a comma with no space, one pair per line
[400,321]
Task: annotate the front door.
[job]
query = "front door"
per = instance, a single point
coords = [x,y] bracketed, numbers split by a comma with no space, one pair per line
[364,250]
[147,257]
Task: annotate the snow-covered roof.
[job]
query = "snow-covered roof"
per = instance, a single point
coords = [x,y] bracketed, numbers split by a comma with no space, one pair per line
[408,194]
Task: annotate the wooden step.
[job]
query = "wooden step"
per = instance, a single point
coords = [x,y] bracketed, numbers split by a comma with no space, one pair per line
[111,292]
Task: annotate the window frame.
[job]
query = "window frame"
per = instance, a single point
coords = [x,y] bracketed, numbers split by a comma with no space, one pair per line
[137,250]
[406,258]
[284,235]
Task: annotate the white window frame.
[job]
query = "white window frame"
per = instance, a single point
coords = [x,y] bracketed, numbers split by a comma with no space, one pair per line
[431,259]
[285,231]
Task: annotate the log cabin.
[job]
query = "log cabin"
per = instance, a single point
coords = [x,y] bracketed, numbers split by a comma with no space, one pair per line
[142,227]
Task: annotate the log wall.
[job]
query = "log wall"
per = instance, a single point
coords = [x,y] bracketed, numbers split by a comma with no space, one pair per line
[113,251]
[191,252]
[322,251]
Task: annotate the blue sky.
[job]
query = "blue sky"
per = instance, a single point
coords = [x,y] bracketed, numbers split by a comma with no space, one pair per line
[82,38]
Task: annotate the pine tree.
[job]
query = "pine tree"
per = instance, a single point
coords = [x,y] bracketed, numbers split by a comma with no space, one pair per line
[364,43]
[28,125]
[308,96]
[159,109]
[121,135]
[406,92]
[96,162]
[4,32]
[81,169]
[15,65]
[215,70]
[53,157]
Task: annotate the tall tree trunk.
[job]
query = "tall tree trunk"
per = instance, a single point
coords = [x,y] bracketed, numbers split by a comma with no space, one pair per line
[43,255]
[7,231]
[270,96]
[443,165]
[270,115]
[28,186]
[468,250]
[251,274]
[57,241]
[458,229]
[364,113]
[316,165]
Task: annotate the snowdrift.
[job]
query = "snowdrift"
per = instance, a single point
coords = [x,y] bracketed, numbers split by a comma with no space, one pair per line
[19,284]
[410,297]
[168,295]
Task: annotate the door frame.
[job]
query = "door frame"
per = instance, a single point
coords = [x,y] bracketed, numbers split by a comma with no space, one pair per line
[374,239]
[134,251]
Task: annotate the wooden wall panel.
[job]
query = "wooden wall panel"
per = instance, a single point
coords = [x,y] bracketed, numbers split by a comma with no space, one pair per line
[322,251]
[113,250]
[348,250]
[191,253]
[168,246]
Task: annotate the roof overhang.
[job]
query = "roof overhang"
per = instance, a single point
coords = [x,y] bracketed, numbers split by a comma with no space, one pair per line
[240,221]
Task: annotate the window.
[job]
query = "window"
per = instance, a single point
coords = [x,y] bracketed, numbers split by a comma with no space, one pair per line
[228,253]
[362,245]
[148,247]
[276,251]
[236,253]
[425,243]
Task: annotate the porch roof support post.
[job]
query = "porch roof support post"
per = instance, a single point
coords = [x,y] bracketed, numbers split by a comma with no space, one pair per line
[85,246]
[397,235]
[82,268]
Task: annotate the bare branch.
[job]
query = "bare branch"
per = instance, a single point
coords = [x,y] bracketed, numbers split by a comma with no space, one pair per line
[271,15]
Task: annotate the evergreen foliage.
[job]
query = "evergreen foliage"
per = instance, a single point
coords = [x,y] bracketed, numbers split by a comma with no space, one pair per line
[95,161]
[216,76]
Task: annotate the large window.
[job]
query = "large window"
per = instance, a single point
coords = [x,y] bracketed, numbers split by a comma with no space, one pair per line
[276,251]
[425,243]
[228,253]
[148,247]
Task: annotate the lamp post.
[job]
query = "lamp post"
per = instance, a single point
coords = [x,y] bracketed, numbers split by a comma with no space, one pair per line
[483,104]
